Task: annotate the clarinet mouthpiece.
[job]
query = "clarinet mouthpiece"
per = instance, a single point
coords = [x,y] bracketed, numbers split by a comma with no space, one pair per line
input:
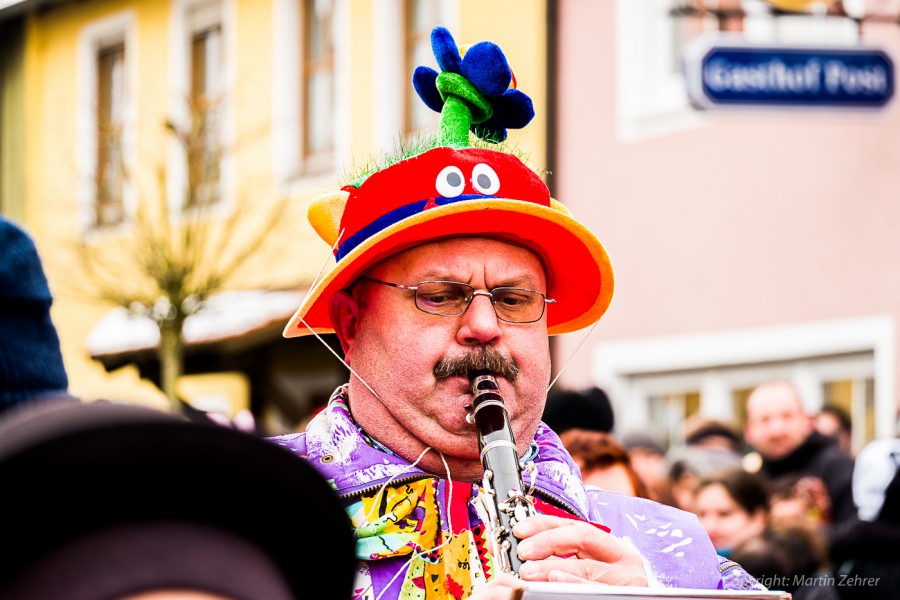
[482,381]
[473,375]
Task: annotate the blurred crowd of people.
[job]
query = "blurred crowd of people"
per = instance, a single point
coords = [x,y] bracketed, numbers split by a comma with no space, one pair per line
[783,495]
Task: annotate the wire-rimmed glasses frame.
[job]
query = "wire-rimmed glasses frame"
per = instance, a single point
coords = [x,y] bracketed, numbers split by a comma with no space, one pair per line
[511,304]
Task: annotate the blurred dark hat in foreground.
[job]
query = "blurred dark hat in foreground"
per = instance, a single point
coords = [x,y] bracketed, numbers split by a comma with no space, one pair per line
[103,500]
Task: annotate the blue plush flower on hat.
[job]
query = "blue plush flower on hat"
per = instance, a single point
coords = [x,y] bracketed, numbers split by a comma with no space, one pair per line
[475,90]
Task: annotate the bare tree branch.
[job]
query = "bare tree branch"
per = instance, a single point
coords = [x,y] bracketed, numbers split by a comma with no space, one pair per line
[175,255]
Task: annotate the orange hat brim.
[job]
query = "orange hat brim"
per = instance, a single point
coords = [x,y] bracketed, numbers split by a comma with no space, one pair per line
[579,273]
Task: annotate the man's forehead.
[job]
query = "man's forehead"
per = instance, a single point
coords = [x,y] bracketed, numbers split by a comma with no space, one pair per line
[449,252]
[772,398]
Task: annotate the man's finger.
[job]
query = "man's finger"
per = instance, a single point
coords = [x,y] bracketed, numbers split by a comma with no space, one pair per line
[582,571]
[543,538]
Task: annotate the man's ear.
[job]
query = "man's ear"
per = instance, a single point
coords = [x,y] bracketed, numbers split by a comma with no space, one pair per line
[344,312]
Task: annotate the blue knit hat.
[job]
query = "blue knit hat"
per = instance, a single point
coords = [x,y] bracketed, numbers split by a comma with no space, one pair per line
[31,363]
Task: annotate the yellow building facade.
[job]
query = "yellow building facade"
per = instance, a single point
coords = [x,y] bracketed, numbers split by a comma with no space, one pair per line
[303,89]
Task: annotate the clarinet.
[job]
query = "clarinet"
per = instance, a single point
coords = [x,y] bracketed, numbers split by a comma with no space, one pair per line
[502,481]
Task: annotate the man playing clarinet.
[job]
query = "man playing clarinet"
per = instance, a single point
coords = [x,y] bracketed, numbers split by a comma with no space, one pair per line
[453,261]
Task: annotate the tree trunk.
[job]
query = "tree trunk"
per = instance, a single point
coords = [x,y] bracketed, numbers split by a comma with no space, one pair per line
[171,360]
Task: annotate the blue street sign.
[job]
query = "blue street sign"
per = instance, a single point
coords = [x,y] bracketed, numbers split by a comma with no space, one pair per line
[729,75]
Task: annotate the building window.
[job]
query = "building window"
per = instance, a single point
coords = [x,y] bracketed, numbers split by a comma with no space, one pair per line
[203,143]
[105,115]
[652,96]
[421,16]
[651,38]
[401,41]
[669,413]
[313,88]
[657,383]
[109,205]
[857,397]
[318,78]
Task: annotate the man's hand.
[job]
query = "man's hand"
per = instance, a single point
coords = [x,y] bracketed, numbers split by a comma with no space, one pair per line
[565,550]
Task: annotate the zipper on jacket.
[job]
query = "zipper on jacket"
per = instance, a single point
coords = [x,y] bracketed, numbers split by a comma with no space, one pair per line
[372,488]
[559,502]
[552,498]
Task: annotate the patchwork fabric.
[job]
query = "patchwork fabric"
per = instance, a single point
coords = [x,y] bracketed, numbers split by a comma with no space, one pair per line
[442,555]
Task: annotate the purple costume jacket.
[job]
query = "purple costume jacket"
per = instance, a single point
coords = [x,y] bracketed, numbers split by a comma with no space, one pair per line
[676,549]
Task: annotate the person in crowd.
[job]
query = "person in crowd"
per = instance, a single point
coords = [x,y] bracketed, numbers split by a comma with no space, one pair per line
[689,465]
[715,434]
[735,507]
[112,501]
[589,409]
[31,362]
[800,500]
[863,550]
[789,559]
[603,461]
[833,421]
[781,432]
[648,459]
[732,506]
[453,263]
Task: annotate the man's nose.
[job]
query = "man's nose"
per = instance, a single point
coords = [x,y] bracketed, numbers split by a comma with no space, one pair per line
[479,323]
[780,426]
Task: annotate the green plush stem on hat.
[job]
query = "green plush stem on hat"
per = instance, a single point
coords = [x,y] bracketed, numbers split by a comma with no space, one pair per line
[463,106]
[456,117]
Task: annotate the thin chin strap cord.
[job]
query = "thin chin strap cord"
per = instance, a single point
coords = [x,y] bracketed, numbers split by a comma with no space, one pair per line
[571,356]
[449,523]
[312,285]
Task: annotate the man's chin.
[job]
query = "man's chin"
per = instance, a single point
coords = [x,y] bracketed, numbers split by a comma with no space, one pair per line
[780,453]
[461,464]
[457,445]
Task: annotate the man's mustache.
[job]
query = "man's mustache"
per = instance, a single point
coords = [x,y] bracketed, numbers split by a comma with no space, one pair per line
[484,358]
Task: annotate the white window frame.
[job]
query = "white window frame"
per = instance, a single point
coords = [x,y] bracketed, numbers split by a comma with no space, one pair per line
[652,99]
[389,35]
[816,29]
[119,28]
[180,85]
[807,354]
[287,134]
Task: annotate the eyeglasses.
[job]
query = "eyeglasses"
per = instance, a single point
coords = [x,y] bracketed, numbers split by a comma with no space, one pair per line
[451,299]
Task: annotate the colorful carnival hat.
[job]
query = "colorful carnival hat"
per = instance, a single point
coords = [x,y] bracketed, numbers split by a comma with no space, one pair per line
[457,190]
